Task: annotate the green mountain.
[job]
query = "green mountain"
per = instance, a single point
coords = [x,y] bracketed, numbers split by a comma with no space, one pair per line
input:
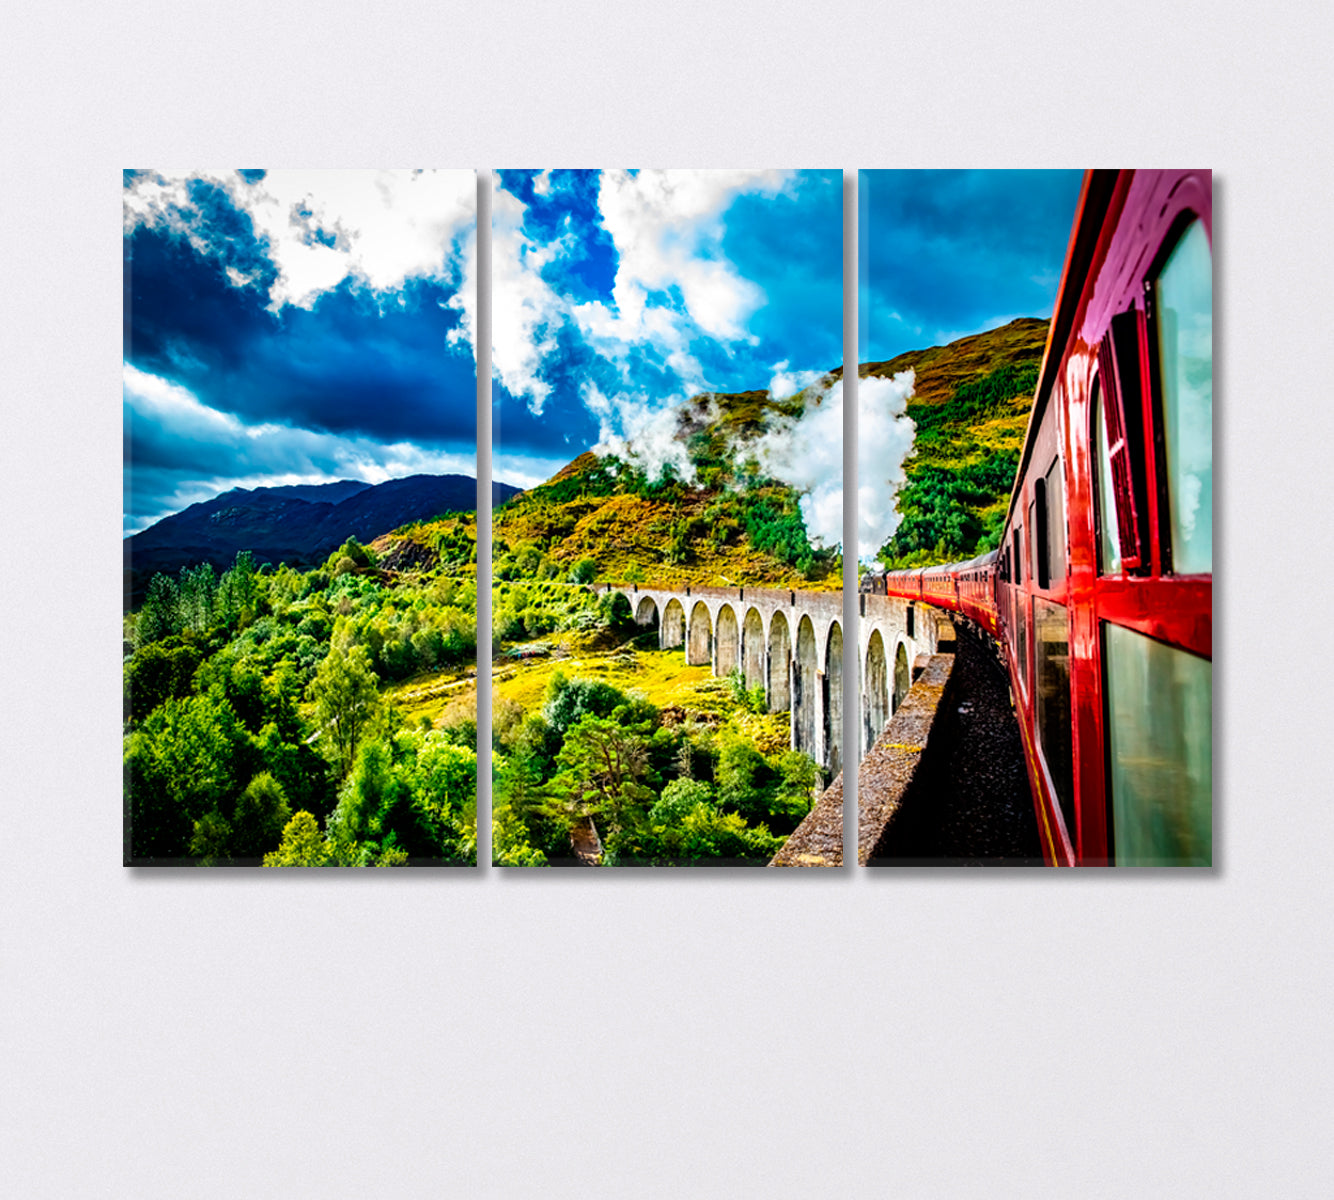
[970,406]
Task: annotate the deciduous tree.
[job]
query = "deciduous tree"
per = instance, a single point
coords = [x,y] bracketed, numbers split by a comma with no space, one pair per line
[346,698]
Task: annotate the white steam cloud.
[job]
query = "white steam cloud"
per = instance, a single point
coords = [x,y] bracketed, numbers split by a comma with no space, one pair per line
[640,432]
[884,441]
[787,383]
[806,452]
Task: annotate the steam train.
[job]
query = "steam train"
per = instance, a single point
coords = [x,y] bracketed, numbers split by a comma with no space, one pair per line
[1100,595]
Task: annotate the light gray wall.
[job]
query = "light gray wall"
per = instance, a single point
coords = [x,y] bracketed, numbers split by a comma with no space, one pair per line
[838,1033]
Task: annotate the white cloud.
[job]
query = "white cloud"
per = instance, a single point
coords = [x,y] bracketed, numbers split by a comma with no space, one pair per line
[786,383]
[387,226]
[667,228]
[525,311]
[212,450]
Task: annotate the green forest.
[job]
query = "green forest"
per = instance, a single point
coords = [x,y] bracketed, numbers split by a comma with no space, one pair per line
[328,718]
[257,728]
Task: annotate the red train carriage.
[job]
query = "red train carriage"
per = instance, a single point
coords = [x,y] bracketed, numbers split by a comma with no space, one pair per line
[1101,594]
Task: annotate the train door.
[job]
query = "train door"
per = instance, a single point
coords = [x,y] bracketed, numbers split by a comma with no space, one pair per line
[1152,447]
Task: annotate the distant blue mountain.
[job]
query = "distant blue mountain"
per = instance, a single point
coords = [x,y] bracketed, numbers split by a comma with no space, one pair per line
[298,524]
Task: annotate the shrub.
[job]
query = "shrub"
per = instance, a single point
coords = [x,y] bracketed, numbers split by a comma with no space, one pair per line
[679,798]
[570,700]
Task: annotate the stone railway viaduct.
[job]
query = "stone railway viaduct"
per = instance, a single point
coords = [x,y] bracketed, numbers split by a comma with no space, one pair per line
[792,644]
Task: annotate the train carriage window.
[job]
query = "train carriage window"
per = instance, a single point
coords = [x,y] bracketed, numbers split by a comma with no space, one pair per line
[1041,534]
[1183,314]
[1035,539]
[1051,646]
[1122,396]
[1021,628]
[1109,537]
[1159,751]
[1055,491]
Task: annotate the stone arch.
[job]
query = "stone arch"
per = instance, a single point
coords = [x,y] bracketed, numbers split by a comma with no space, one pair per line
[833,699]
[727,643]
[875,700]
[780,664]
[647,612]
[902,675]
[752,648]
[806,715]
[673,624]
[699,636]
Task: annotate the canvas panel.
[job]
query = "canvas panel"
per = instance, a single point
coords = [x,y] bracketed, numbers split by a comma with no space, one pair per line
[667,599]
[300,530]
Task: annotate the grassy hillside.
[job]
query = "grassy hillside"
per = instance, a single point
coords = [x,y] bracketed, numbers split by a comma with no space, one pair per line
[970,407]
[603,518]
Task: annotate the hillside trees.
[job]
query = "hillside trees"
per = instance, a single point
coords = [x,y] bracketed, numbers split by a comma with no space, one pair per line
[659,792]
[196,601]
[345,696]
[603,768]
[184,761]
[234,682]
[965,455]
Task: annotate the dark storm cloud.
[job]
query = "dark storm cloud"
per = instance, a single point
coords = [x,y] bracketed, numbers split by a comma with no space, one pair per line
[946,253]
[232,379]
[349,365]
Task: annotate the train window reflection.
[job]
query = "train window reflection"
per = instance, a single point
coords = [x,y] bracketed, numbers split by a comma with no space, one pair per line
[1184,314]
[1160,746]
[1055,491]
[1041,528]
[1051,647]
[1034,541]
[1021,628]
[1109,537]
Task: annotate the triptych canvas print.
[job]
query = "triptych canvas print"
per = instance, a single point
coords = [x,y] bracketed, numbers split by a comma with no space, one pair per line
[678,672]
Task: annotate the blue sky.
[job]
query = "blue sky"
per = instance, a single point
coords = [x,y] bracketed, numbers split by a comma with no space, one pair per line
[295,327]
[947,253]
[617,294]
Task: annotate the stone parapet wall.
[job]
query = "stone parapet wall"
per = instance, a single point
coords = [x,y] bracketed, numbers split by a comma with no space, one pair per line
[781,596]
[829,604]
[818,840]
[887,773]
